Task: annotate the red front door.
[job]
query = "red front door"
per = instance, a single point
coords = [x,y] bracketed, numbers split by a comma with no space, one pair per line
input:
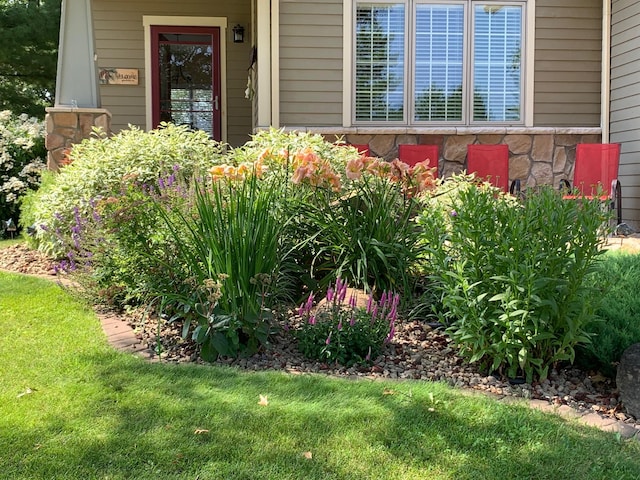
[186,77]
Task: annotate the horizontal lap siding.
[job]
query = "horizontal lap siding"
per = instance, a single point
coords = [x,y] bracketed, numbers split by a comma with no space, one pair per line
[310,63]
[568,63]
[119,35]
[625,101]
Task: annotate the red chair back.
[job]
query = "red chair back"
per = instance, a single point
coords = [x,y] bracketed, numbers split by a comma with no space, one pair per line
[412,154]
[362,148]
[491,163]
[596,164]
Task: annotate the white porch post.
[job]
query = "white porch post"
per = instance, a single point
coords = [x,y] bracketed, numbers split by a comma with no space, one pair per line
[263,42]
[77,78]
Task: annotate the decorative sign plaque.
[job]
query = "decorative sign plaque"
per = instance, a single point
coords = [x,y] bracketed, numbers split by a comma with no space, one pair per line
[118,76]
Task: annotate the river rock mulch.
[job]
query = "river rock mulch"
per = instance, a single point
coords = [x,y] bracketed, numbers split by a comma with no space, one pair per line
[419,351]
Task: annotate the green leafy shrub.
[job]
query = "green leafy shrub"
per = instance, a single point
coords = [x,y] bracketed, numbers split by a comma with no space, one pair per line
[339,331]
[616,326]
[232,236]
[100,165]
[22,159]
[513,276]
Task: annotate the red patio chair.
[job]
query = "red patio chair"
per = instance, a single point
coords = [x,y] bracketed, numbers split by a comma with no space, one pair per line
[412,154]
[362,148]
[491,163]
[596,168]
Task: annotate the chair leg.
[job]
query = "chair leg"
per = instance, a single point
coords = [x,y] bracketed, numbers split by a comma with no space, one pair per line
[616,192]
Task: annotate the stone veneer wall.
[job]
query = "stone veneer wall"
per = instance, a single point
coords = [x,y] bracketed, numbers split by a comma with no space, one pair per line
[536,158]
[67,126]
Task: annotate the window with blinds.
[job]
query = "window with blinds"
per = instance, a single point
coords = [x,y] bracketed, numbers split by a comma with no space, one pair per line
[424,61]
[379,62]
[497,38]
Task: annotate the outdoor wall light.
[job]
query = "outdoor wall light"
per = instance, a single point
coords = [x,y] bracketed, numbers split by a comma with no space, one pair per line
[238,34]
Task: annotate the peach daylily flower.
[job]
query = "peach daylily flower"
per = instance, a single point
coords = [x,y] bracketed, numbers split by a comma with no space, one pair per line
[354,168]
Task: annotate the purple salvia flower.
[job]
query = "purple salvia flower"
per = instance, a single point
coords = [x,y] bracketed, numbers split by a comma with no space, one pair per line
[161,183]
[392,331]
[343,293]
[328,340]
[312,320]
[44,228]
[176,168]
[383,299]
[171,180]
[329,294]
[309,304]
[301,310]
[338,284]
[352,322]
[370,303]
[374,312]
[352,301]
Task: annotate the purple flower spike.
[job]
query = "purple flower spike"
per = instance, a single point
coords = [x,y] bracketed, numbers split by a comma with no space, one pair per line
[309,304]
[340,325]
[370,303]
[328,340]
[352,322]
[352,301]
[161,183]
[453,213]
[312,320]
[301,310]
[330,294]
[383,299]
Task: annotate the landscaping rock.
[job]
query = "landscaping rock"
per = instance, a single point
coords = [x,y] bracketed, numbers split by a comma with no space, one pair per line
[628,380]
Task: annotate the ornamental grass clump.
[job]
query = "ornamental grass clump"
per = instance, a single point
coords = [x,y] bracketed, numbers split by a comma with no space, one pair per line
[339,331]
[513,277]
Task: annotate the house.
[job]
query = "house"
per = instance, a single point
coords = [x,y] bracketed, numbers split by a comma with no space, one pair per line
[538,75]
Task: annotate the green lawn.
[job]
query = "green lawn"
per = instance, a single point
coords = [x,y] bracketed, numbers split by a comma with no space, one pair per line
[72,408]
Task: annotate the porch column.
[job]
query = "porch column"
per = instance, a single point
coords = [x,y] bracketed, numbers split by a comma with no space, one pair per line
[263,43]
[77,78]
[77,103]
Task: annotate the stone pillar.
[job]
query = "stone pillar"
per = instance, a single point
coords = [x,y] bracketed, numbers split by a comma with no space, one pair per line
[67,126]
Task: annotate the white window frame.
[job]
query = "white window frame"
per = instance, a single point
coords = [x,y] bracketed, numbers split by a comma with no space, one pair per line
[527,66]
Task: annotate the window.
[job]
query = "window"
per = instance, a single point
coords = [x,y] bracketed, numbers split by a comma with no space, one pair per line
[422,61]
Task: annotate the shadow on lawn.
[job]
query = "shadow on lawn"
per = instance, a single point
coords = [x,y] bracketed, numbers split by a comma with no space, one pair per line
[190,421]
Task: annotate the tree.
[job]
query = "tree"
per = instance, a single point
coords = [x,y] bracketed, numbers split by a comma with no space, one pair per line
[29,31]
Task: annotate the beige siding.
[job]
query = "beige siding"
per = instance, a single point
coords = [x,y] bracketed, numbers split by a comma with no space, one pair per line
[310,63]
[568,63]
[119,36]
[625,101]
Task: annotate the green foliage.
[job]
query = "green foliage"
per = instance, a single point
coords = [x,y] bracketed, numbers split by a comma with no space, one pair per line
[339,331]
[231,240]
[29,32]
[512,276]
[616,325]
[366,236]
[22,159]
[101,165]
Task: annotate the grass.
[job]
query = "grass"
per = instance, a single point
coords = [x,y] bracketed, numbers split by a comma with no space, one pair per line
[73,408]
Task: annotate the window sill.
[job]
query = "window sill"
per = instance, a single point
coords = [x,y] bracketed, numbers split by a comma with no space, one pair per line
[484,130]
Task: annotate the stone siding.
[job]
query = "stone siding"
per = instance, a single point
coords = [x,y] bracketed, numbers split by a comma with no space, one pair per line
[534,158]
[67,126]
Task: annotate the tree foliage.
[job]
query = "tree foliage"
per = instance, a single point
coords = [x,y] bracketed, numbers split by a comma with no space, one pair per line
[28,54]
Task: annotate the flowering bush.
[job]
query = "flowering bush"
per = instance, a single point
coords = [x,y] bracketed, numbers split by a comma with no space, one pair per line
[341,332]
[22,154]
[99,166]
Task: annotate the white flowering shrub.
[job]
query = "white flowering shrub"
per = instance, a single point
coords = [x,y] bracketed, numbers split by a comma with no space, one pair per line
[22,154]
